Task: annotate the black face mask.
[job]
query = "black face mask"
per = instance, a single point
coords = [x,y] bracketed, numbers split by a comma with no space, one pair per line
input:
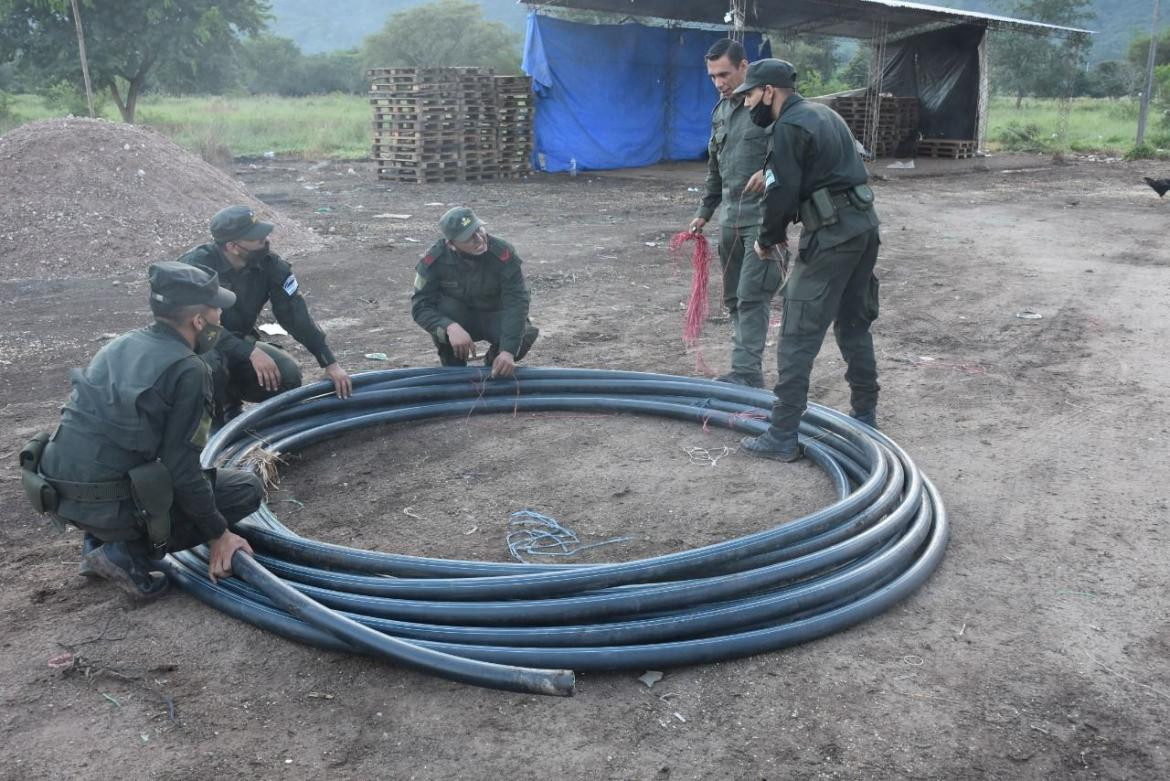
[206,339]
[761,114]
[256,255]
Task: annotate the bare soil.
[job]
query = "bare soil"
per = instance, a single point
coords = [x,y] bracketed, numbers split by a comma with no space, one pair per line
[1040,649]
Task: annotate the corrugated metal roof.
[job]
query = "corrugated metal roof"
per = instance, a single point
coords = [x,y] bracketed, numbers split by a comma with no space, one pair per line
[844,18]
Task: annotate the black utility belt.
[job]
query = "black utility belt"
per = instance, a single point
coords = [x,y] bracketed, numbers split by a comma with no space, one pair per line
[822,207]
[112,491]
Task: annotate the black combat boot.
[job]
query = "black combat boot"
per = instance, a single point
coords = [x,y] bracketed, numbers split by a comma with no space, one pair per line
[115,562]
[777,448]
[89,544]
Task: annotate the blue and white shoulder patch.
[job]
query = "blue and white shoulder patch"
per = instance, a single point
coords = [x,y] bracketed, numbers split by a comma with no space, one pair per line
[290,285]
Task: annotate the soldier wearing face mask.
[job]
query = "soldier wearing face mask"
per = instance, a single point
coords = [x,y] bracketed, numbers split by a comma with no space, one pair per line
[243,367]
[814,176]
[469,287]
[123,464]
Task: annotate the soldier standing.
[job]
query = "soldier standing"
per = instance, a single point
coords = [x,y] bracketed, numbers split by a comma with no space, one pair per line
[736,154]
[815,175]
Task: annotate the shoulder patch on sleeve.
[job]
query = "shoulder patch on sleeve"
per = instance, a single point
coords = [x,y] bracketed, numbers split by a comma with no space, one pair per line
[505,255]
[290,285]
[428,259]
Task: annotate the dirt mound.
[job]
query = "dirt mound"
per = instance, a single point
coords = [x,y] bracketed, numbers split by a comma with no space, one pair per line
[88,197]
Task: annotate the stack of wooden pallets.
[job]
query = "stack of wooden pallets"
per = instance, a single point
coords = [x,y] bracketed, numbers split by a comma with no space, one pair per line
[897,120]
[450,124]
[516,109]
[418,132]
[477,105]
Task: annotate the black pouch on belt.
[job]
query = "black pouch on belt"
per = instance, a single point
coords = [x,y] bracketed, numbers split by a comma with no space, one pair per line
[41,493]
[153,492]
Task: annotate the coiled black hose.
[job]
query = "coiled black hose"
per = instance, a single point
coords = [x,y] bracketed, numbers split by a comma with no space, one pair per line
[522,627]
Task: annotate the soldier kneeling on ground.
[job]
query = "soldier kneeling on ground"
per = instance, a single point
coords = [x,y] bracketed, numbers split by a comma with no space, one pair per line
[245,368]
[123,464]
[469,287]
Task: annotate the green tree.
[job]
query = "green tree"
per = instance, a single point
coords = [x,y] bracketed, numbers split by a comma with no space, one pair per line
[1110,79]
[339,71]
[444,33]
[273,66]
[127,40]
[1024,64]
[1139,50]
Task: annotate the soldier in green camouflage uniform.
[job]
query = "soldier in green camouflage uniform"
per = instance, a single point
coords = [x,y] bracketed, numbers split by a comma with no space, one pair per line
[123,465]
[736,153]
[469,287]
[815,175]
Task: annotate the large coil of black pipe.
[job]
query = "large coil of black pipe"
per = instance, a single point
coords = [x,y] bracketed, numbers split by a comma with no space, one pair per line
[524,627]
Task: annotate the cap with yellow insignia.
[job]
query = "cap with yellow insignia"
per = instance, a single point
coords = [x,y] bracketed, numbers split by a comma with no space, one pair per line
[238,223]
[459,224]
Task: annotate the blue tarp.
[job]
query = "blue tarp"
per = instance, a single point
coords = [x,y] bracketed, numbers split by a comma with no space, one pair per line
[620,96]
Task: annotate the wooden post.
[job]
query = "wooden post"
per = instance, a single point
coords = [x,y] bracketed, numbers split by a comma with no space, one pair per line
[84,57]
[1144,114]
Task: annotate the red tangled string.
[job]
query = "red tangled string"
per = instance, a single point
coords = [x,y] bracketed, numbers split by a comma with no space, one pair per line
[700,276]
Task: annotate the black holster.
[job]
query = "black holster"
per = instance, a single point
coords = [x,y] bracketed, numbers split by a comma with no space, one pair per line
[153,492]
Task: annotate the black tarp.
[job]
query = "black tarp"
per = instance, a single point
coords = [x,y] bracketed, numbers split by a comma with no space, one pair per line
[941,69]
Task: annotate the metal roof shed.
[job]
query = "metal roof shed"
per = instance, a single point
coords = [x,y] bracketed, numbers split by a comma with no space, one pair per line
[935,54]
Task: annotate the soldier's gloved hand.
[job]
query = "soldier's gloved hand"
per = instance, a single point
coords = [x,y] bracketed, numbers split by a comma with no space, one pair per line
[460,341]
[342,384]
[756,183]
[221,550]
[697,225]
[504,365]
[266,372]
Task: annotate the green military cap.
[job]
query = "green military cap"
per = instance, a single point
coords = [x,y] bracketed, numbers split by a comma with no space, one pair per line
[238,223]
[459,224]
[778,73]
[183,284]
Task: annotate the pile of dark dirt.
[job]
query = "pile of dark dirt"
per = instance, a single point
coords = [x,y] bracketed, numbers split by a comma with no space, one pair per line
[89,197]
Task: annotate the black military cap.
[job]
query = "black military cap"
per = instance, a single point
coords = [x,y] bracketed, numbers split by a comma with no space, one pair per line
[238,223]
[182,284]
[459,224]
[778,73]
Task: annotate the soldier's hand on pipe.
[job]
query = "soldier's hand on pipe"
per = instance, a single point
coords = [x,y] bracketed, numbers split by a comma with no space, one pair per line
[756,183]
[342,385]
[504,365]
[267,374]
[697,225]
[460,341]
[220,551]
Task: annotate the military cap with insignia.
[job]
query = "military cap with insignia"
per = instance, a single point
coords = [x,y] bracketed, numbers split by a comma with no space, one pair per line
[777,73]
[459,224]
[238,223]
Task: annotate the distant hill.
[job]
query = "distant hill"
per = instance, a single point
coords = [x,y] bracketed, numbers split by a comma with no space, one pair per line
[341,24]
[319,26]
[1116,23]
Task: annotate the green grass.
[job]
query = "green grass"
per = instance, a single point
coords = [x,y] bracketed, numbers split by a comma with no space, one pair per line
[338,126]
[1094,125]
[315,127]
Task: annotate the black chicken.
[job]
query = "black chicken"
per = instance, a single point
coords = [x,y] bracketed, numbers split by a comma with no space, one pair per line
[1161,186]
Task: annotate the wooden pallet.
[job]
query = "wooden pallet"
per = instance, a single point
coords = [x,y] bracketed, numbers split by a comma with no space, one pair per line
[952,148]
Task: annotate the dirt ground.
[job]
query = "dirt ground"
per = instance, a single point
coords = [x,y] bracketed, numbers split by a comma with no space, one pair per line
[1040,649]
